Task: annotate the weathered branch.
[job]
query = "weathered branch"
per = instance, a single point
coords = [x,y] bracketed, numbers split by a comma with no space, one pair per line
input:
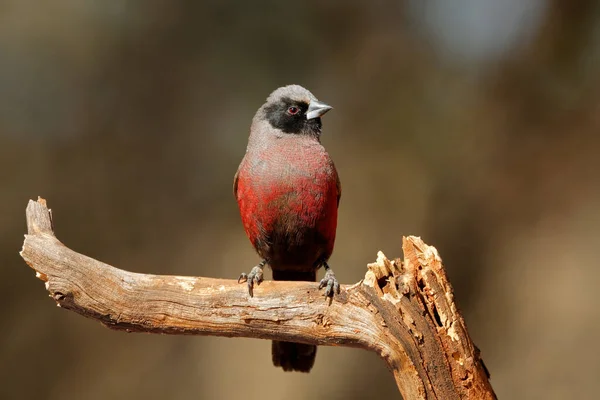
[404,311]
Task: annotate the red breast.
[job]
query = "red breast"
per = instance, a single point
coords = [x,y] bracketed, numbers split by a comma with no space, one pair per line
[287,193]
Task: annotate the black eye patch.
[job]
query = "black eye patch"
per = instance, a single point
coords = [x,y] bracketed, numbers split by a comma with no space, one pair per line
[278,116]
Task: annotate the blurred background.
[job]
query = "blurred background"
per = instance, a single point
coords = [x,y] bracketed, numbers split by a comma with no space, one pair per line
[473,124]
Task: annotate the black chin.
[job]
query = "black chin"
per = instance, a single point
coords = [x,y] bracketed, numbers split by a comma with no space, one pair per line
[314,125]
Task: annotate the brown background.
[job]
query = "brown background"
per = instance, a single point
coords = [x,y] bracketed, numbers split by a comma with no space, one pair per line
[474,124]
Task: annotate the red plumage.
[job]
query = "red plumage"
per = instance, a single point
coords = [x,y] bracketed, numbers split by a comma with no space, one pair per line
[289,199]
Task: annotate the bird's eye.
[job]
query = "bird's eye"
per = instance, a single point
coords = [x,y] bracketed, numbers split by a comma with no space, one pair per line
[293,110]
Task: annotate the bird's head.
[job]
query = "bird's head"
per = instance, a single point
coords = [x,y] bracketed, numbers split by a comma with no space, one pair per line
[293,110]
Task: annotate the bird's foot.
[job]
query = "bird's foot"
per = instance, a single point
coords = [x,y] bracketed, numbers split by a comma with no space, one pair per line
[329,282]
[255,276]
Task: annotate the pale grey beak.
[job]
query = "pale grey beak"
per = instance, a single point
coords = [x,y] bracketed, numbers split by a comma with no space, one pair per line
[316,109]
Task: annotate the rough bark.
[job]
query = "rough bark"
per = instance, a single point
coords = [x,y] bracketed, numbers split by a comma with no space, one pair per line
[402,310]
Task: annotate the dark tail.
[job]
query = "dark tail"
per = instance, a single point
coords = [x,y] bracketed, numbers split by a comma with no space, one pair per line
[288,355]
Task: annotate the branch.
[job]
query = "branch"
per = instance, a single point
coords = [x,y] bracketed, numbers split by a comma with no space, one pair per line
[404,311]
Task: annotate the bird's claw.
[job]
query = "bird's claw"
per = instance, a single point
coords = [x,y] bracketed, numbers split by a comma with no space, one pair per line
[330,283]
[255,276]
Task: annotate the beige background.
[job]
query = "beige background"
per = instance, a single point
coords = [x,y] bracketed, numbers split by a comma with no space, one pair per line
[474,124]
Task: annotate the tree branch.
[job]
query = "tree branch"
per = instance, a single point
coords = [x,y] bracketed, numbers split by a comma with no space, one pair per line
[403,310]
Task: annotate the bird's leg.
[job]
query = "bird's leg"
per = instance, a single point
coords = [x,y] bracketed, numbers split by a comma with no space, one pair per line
[329,282]
[255,276]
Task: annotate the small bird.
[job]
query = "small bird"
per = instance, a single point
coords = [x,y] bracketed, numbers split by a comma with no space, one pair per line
[288,192]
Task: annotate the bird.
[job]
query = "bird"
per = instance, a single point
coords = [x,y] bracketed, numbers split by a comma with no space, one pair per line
[288,192]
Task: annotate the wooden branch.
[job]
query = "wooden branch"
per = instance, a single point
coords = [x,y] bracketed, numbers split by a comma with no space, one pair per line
[403,310]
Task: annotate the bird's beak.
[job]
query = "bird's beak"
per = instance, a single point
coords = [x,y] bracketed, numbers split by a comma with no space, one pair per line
[316,109]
